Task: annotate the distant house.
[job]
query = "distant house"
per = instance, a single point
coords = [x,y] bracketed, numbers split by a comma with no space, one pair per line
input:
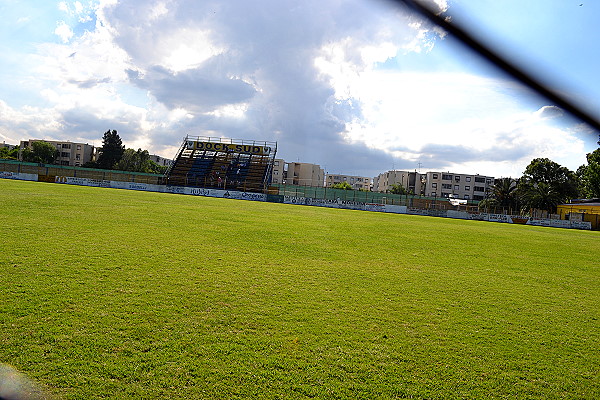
[437,184]
[297,173]
[459,186]
[413,182]
[69,153]
[8,146]
[357,182]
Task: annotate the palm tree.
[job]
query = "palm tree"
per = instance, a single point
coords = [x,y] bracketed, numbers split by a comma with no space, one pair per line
[541,196]
[504,191]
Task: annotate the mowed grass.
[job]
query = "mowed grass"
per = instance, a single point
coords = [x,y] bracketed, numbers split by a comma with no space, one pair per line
[119,294]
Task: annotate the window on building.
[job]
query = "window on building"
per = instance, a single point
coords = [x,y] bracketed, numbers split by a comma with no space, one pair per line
[479,179]
[434,185]
[446,186]
[64,162]
[64,154]
[435,176]
[446,195]
[66,146]
[434,194]
[456,187]
[276,163]
[467,188]
[468,179]
[78,156]
[477,197]
[457,178]
[466,197]
[488,181]
[78,147]
[446,177]
[479,188]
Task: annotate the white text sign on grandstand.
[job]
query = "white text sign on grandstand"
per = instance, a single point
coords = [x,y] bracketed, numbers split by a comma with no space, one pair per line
[228,147]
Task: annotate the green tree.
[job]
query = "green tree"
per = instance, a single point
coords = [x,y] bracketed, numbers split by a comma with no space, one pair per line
[488,204]
[132,160]
[111,151]
[40,152]
[344,185]
[545,184]
[90,164]
[398,189]
[504,192]
[156,168]
[589,175]
[138,161]
[542,196]
[12,154]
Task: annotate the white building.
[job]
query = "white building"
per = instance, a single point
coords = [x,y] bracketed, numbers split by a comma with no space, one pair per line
[8,146]
[413,182]
[297,173]
[72,154]
[460,186]
[304,174]
[277,175]
[357,182]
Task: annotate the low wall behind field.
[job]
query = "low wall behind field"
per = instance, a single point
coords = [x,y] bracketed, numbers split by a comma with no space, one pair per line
[307,201]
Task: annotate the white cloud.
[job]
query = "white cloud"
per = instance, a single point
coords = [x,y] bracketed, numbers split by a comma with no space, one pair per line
[63,6]
[302,73]
[63,31]
[78,7]
[453,121]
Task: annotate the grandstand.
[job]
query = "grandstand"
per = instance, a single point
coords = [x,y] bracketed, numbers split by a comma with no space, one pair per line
[220,163]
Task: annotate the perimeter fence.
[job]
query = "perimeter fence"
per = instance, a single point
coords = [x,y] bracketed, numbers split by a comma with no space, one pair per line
[408,200]
[50,172]
[279,192]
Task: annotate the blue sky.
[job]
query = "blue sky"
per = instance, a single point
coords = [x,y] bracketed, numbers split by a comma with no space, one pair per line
[357,86]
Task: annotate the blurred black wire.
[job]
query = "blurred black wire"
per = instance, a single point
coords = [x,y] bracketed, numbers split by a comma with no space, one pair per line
[503,64]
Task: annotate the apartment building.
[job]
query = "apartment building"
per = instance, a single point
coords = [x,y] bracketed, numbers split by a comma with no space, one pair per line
[71,154]
[8,146]
[304,174]
[297,173]
[277,175]
[413,182]
[357,182]
[460,186]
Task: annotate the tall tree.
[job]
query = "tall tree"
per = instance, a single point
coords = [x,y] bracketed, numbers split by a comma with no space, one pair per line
[589,175]
[545,184]
[112,150]
[41,152]
[135,161]
[504,192]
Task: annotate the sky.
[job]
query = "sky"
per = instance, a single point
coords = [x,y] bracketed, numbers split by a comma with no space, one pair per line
[359,87]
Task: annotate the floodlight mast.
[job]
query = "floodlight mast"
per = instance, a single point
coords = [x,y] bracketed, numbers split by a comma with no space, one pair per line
[500,62]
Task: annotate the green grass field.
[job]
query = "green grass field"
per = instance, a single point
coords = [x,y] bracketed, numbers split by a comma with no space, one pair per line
[119,294]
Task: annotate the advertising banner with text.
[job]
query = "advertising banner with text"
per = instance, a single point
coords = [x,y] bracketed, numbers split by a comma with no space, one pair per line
[18,176]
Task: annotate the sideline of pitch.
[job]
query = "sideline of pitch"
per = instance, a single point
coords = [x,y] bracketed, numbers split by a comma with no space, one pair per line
[308,201]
